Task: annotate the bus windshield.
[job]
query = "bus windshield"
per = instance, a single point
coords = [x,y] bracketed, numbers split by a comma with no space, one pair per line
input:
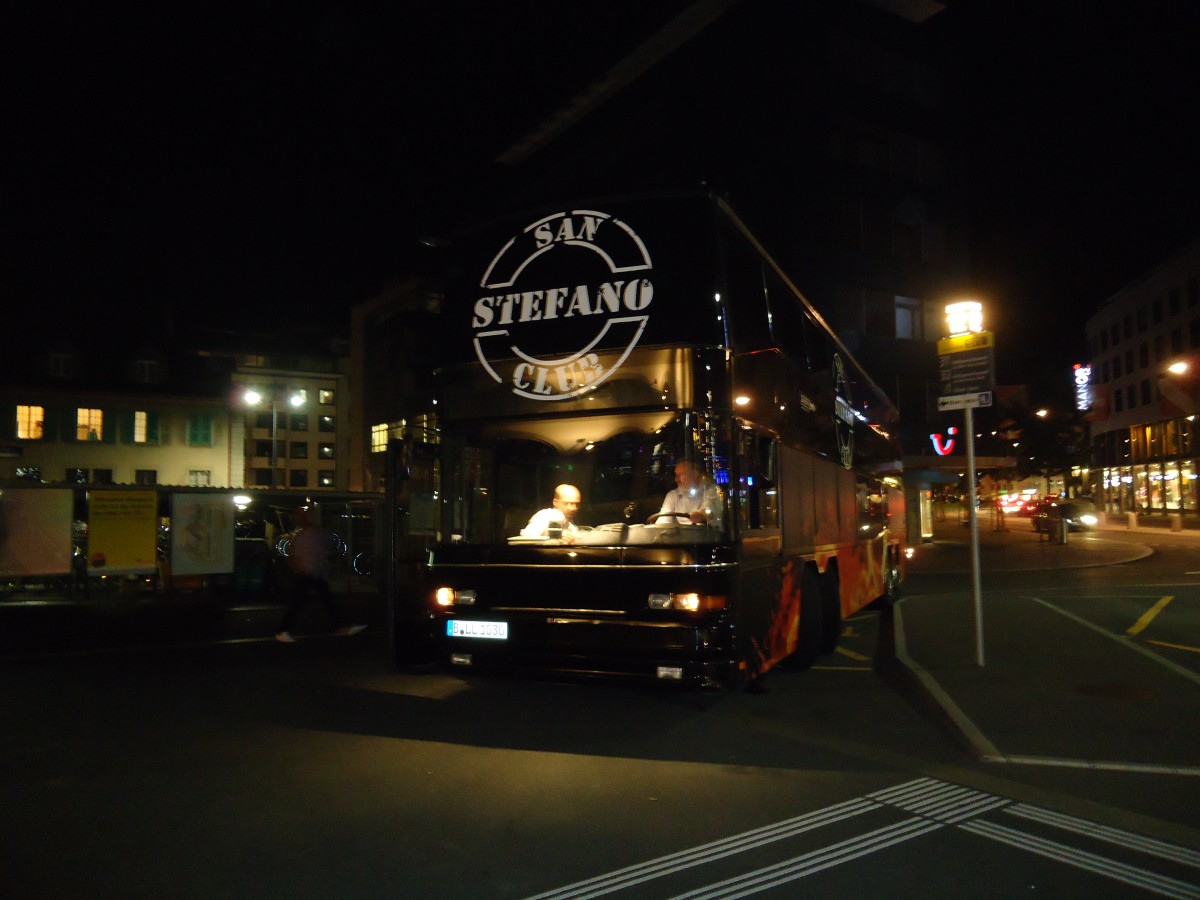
[642,478]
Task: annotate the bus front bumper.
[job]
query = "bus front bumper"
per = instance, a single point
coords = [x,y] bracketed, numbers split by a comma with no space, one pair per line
[696,654]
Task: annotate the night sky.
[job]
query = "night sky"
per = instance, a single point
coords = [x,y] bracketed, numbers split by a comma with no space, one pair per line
[238,167]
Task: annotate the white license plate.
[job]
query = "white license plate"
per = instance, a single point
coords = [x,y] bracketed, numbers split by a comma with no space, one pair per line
[468,628]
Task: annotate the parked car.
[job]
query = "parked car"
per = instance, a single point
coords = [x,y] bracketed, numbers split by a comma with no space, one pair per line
[1079,514]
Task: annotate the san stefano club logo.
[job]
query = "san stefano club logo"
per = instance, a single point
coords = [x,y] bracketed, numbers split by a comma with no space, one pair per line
[562,304]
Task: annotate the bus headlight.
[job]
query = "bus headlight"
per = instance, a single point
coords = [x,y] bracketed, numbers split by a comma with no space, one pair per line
[447,596]
[688,602]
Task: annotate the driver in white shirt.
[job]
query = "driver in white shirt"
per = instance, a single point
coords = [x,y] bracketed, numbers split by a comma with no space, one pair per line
[694,501]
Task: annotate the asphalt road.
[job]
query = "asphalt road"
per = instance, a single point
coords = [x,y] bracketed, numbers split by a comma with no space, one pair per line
[247,768]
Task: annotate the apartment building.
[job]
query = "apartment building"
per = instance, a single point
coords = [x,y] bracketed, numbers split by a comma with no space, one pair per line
[174,414]
[1144,344]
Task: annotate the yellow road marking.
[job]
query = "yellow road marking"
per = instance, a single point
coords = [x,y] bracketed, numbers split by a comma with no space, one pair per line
[843,668]
[1175,646]
[851,654]
[1148,616]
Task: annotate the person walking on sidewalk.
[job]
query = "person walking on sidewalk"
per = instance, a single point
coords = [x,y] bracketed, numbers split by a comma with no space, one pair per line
[308,563]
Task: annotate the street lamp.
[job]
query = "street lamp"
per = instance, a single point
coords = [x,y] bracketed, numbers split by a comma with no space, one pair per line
[966,318]
[255,396]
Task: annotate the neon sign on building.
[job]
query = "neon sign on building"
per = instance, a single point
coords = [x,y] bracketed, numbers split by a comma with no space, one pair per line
[940,448]
[1083,380]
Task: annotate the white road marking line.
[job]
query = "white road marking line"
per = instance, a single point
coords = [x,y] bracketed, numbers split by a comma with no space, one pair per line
[810,863]
[932,805]
[983,747]
[1081,859]
[1149,654]
[987,752]
[684,859]
[1098,764]
[948,803]
[1118,836]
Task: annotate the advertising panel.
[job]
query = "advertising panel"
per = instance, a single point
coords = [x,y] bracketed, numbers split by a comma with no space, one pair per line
[35,532]
[122,532]
[201,534]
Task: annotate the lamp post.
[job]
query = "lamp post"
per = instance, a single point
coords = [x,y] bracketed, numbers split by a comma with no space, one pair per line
[964,319]
[255,396]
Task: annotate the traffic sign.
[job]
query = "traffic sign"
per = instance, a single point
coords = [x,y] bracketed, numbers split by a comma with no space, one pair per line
[965,401]
[968,365]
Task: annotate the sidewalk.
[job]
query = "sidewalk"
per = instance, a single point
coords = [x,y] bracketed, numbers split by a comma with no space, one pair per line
[34,623]
[1019,548]
[1054,689]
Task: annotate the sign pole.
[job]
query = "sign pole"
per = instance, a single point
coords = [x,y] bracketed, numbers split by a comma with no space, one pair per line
[973,527]
[967,359]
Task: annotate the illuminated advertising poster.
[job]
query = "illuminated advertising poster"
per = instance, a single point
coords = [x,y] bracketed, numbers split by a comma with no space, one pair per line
[122,531]
[35,532]
[201,534]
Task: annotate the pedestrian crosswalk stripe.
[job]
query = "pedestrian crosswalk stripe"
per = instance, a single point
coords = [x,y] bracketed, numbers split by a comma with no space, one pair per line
[930,805]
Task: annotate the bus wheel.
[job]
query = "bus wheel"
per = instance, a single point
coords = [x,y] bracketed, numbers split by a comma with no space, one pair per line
[808,647]
[831,609]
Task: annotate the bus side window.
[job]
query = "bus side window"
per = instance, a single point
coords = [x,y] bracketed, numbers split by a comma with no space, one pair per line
[872,503]
[758,499]
[768,458]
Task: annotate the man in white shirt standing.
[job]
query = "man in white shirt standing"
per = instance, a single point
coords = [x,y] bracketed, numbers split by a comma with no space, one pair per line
[559,520]
[694,501]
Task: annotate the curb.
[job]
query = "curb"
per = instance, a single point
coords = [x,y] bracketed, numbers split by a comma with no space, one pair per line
[982,747]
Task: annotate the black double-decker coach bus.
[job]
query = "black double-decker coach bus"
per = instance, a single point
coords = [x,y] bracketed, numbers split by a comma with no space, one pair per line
[605,347]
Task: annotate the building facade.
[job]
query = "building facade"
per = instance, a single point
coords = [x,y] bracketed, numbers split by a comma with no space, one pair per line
[1144,345]
[78,413]
[174,415]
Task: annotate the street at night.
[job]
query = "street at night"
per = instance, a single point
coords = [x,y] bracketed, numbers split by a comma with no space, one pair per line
[247,768]
[696,449]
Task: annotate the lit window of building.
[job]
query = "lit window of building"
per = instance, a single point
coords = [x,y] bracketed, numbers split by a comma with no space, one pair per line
[379,438]
[89,424]
[31,423]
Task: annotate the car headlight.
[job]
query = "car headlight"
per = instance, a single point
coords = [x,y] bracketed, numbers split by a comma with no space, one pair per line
[1088,519]
[447,596]
[688,602]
